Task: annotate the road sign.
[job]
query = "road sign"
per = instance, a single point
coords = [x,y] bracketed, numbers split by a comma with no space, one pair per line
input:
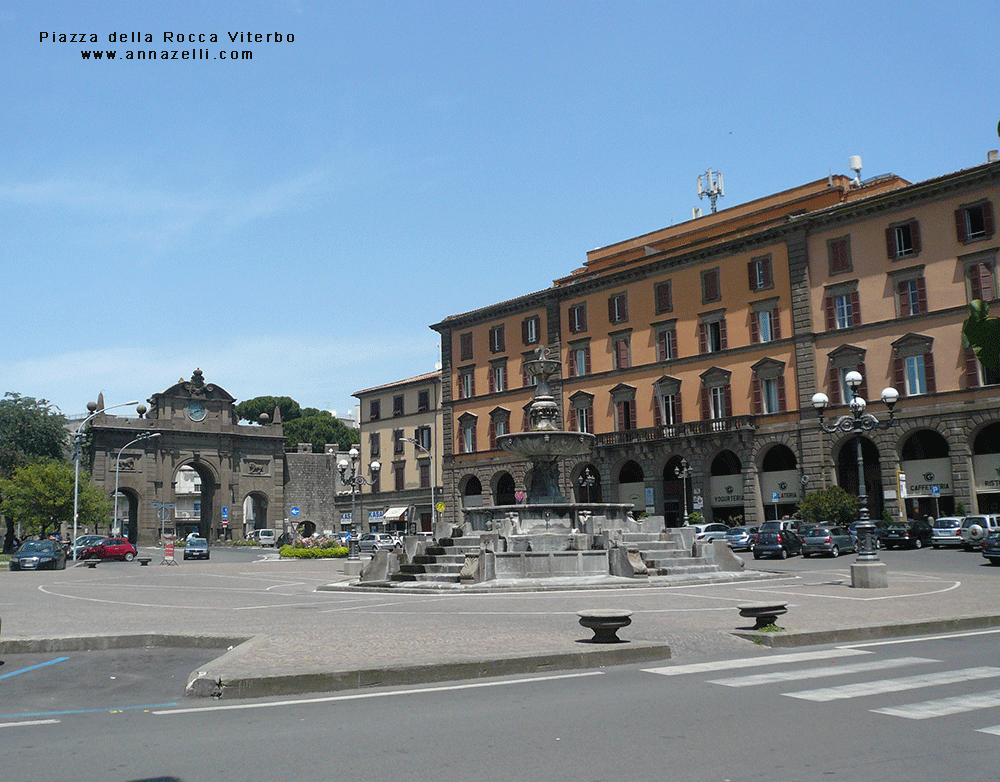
[775,496]
[163,514]
[225,512]
[162,504]
[294,511]
[440,507]
[935,490]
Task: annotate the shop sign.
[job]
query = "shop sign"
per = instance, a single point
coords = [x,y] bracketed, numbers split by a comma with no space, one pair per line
[986,467]
[727,490]
[784,483]
[922,475]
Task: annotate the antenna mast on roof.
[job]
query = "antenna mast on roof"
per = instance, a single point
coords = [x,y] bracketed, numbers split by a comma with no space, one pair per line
[710,184]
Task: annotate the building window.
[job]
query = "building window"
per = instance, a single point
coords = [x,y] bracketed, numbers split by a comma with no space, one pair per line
[710,288]
[902,240]
[499,425]
[467,434]
[585,419]
[465,346]
[375,410]
[974,221]
[497,339]
[397,405]
[912,297]
[717,402]
[663,294]
[498,377]
[982,281]
[842,309]
[466,383]
[712,335]
[374,444]
[425,475]
[578,318]
[976,374]
[839,254]
[618,308]
[582,418]
[916,376]
[423,401]
[579,360]
[760,273]
[399,473]
[621,347]
[913,371]
[670,407]
[422,434]
[666,344]
[716,394]
[530,330]
[768,386]
[625,415]
[397,441]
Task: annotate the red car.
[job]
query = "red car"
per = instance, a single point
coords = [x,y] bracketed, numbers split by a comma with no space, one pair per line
[109,548]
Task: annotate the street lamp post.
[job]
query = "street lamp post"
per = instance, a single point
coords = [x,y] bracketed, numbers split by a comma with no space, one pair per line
[77,443]
[857,422]
[355,480]
[587,480]
[430,456]
[118,464]
[684,473]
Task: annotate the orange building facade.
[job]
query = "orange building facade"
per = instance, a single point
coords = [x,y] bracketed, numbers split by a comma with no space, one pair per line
[702,344]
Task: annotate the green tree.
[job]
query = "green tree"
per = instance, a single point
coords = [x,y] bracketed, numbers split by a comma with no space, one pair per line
[29,430]
[40,496]
[250,409]
[832,505]
[982,333]
[318,428]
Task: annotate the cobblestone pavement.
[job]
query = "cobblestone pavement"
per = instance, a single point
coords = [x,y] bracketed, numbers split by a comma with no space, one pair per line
[299,626]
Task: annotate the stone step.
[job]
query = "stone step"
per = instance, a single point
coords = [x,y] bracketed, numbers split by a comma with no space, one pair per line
[431,577]
[655,557]
[675,561]
[679,570]
[431,568]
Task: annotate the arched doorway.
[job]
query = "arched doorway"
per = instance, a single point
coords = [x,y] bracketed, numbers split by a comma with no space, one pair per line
[678,496]
[986,468]
[471,489]
[726,484]
[847,472]
[125,515]
[254,512]
[632,486]
[925,460]
[779,482]
[193,499]
[504,489]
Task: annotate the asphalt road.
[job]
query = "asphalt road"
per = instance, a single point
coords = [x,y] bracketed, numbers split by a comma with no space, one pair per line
[918,710]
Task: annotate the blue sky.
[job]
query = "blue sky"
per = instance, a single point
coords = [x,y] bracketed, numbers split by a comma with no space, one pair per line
[292,224]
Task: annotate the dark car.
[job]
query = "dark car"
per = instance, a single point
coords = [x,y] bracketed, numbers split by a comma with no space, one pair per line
[196,548]
[777,543]
[880,527]
[109,548]
[912,534]
[991,548]
[39,555]
[828,540]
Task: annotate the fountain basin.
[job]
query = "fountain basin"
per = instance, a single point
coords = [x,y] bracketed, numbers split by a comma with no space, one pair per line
[547,444]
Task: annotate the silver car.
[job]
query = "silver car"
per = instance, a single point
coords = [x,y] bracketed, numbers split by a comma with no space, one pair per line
[828,540]
[947,531]
[976,528]
[741,538]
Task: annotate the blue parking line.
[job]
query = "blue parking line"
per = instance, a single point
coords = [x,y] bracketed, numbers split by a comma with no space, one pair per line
[87,711]
[34,667]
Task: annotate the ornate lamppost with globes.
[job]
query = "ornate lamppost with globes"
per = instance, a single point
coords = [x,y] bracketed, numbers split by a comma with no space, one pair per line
[356,480]
[859,421]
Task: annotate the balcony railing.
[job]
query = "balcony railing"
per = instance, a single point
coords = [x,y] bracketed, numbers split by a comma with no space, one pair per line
[693,429]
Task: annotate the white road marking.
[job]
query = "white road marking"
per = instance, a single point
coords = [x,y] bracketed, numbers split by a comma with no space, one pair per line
[27,723]
[994,730]
[945,706]
[777,677]
[920,639]
[387,694]
[752,662]
[895,685]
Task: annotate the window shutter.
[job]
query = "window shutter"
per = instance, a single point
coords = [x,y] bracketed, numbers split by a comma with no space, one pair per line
[586,360]
[583,319]
[729,401]
[960,229]
[768,275]
[899,375]
[611,310]
[904,299]
[863,388]
[890,243]
[474,448]
[752,275]
[524,332]
[702,338]
[781,393]
[525,380]
[631,406]
[758,405]
[722,335]
[493,382]
[988,218]
[493,435]
[673,342]
[657,412]
[776,323]
[915,236]
[834,383]
[590,419]
[855,309]
[929,373]
[571,363]
[754,328]
[921,295]
[706,410]
[678,418]
[504,372]
[971,369]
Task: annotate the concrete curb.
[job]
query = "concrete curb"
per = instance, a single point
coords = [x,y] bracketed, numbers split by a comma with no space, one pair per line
[872,632]
[212,681]
[91,643]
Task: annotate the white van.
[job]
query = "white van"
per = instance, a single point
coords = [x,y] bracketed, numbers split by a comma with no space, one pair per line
[264,536]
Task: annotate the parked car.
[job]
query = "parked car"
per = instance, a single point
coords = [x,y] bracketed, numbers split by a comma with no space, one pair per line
[879,531]
[196,548]
[911,534]
[804,530]
[975,529]
[110,548]
[39,555]
[776,543]
[83,541]
[710,531]
[741,538]
[947,531]
[828,540]
[376,541]
[991,548]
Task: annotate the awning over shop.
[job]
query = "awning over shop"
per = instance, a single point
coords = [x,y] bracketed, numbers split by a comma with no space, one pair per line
[395,514]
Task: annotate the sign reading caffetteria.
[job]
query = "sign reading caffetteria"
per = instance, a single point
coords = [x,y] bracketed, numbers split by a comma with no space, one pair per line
[923,475]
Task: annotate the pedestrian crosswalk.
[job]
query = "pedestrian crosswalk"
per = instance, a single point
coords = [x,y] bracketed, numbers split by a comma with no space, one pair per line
[790,678]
